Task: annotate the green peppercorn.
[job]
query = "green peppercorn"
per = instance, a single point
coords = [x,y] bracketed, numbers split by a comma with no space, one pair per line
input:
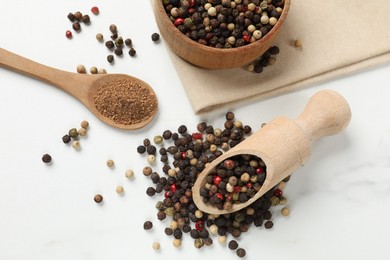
[73,133]
[119,42]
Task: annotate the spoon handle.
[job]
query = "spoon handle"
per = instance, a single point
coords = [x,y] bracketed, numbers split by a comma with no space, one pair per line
[326,113]
[67,81]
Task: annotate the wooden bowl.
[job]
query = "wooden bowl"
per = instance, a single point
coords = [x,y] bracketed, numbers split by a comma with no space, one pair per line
[210,57]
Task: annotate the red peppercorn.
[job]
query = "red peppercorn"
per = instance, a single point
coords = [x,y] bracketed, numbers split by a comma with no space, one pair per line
[95,10]
[228,164]
[191,11]
[219,196]
[178,21]
[196,136]
[199,225]
[217,180]
[167,194]
[259,170]
[237,189]
[183,155]
[249,185]
[173,188]
[192,3]
[278,193]
[68,34]
[246,38]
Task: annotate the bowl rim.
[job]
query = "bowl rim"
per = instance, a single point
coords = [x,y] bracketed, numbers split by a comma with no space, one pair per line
[260,42]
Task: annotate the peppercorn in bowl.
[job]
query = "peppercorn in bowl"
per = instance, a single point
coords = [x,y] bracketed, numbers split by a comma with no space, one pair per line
[220,34]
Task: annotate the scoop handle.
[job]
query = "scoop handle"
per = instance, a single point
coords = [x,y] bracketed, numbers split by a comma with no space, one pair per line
[326,113]
[67,81]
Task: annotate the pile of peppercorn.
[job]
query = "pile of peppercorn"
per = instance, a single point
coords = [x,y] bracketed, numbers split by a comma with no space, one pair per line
[184,156]
[224,23]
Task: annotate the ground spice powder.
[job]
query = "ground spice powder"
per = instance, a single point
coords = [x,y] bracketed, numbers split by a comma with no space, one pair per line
[125,102]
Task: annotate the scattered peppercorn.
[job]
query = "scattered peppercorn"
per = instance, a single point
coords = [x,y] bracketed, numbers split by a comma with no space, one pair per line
[46,158]
[297,43]
[73,133]
[148,225]
[95,10]
[118,51]
[66,139]
[110,163]
[119,189]
[233,245]
[76,26]
[155,37]
[93,70]
[128,42]
[110,58]
[98,198]
[99,37]
[241,252]
[156,246]
[86,19]
[76,145]
[113,28]
[81,69]
[132,52]
[68,34]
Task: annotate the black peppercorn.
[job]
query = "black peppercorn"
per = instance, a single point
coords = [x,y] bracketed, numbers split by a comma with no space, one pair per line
[118,51]
[150,191]
[168,231]
[141,149]
[66,139]
[268,224]
[241,252]
[110,58]
[128,42]
[46,158]
[71,17]
[151,149]
[132,52]
[109,44]
[233,245]
[76,26]
[148,225]
[86,19]
[155,37]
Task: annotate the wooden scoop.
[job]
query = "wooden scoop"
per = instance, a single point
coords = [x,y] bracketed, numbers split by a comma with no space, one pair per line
[283,144]
[88,88]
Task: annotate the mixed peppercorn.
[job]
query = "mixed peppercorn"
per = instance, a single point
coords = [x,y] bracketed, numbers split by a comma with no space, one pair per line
[224,23]
[182,161]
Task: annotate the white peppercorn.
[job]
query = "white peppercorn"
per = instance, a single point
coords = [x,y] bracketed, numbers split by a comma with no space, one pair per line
[176,242]
[76,145]
[110,163]
[285,211]
[119,189]
[151,159]
[156,246]
[81,69]
[222,240]
[272,21]
[213,229]
[129,174]
[82,132]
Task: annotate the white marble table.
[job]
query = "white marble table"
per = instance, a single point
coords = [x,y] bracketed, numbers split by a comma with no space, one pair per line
[339,200]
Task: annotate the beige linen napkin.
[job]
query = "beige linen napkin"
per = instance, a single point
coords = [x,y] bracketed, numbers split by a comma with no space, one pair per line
[338,37]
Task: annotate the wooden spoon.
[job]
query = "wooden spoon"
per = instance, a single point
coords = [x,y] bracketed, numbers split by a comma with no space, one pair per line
[283,144]
[89,88]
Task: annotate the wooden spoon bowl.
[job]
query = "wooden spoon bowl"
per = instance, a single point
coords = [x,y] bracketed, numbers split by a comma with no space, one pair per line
[89,89]
[210,57]
[283,144]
